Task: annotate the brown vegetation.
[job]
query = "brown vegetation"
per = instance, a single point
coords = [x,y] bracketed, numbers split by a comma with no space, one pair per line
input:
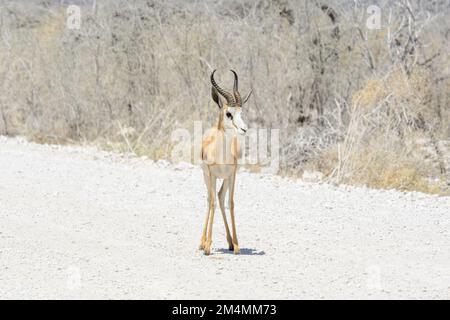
[362,106]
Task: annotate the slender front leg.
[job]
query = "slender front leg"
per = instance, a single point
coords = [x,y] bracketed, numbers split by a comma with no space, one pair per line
[205,226]
[206,175]
[222,193]
[212,200]
[233,223]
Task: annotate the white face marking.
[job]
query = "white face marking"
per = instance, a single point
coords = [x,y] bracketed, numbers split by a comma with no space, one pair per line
[233,120]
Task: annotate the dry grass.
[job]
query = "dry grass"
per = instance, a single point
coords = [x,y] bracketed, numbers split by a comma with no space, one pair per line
[346,101]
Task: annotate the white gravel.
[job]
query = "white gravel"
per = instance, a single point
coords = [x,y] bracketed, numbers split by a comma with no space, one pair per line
[81,223]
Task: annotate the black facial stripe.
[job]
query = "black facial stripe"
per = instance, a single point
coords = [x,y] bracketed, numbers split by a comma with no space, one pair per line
[229,115]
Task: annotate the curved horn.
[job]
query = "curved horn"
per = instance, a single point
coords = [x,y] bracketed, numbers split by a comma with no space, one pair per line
[237,96]
[228,96]
[247,96]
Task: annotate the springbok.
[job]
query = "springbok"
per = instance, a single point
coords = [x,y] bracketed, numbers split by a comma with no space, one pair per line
[220,153]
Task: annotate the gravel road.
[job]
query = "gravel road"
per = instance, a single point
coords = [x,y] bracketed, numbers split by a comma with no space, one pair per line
[76,222]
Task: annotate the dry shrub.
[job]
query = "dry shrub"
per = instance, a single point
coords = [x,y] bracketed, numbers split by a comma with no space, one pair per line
[378,150]
[138,70]
[389,168]
[370,95]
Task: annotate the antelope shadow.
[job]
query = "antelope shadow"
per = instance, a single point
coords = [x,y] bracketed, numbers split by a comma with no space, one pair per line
[244,251]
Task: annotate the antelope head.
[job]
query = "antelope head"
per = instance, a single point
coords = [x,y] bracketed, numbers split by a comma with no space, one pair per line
[231,108]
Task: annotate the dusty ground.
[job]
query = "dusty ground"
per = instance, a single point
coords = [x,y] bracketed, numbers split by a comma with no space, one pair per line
[80,223]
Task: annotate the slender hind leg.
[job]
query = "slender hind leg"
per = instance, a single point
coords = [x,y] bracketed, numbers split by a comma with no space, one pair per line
[222,193]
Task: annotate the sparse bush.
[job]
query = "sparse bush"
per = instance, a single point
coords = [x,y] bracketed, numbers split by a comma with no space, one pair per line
[345,98]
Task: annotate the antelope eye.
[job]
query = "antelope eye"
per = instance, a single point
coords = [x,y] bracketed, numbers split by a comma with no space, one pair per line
[229,115]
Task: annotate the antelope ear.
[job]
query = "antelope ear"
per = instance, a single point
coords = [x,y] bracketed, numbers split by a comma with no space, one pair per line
[247,96]
[216,97]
